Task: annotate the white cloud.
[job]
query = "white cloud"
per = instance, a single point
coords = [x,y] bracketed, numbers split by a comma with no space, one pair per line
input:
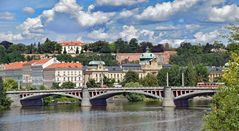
[98,35]
[192,26]
[162,11]
[7,16]
[207,37]
[10,36]
[119,2]
[90,8]
[34,28]
[174,42]
[130,32]
[223,14]
[128,13]
[166,27]
[29,10]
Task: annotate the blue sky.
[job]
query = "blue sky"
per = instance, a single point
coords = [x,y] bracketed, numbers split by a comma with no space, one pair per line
[157,21]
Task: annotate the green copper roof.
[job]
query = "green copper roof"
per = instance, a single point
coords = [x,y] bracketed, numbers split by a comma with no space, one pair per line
[147,55]
[96,63]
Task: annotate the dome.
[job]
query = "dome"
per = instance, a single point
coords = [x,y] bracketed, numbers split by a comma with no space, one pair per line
[96,63]
[147,55]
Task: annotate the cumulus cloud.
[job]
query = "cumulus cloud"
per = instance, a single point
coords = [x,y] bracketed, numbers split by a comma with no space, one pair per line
[7,16]
[223,14]
[119,2]
[174,42]
[166,27]
[128,13]
[162,11]
[29,10]
[130,32]
[10,36]
[207,37]
[98,35]
[34,28]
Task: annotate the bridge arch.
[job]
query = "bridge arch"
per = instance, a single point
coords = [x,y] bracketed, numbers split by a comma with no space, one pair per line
[42,95]
[194,94]
[109,94]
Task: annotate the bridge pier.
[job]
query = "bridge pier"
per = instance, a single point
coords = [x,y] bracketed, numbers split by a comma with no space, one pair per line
[15,98]
[85,98]
[168,100]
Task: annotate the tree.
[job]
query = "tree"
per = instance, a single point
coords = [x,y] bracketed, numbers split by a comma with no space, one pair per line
[10,84]
[68,85]
[190,76]
[133,97]
[55,85]
[149,80]
[109,82]
[133,45]
[92,84]
[201,73]
[77,50]
[5,102]
[224,115]
[131,76]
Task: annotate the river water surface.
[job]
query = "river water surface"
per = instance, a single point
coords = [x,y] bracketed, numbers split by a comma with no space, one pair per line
[117,116]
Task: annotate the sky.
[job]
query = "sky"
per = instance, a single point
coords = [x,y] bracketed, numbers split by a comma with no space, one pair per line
[157,21]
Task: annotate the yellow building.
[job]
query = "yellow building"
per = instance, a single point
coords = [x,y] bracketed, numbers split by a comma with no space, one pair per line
[97,70]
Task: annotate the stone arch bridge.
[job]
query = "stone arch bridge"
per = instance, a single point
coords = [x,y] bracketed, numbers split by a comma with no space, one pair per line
[98,96]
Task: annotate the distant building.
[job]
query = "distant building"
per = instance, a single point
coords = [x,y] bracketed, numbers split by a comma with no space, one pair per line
[214,73]
[97,70]
[71,47]
[63,72]
[33,71]
[12,70]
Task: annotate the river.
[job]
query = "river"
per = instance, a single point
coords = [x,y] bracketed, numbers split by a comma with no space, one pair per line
[116,116]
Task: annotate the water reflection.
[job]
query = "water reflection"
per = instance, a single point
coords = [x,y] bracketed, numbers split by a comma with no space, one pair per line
[114,117]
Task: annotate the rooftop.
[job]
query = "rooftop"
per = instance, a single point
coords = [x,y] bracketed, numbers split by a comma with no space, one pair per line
[72,43]
[14,65]
[39,62]
[65,66]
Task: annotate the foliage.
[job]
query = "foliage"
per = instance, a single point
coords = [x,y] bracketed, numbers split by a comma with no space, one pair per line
[201,73]
[85,58]
[224,115]
[149,80]
[92,84]
[10,84]
[174,74]
[192,75]
[68,85]
[109,82]
[195,54]
[58,100]
[130,76]
[133,84]
[42,87]
[56,85]
[5,102]
[133,97]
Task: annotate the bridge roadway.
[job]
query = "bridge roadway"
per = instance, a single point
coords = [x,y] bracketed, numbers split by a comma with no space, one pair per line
[98,96]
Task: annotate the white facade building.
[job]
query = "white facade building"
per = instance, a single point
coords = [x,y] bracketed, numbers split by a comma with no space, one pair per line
[64,72]
[71,47]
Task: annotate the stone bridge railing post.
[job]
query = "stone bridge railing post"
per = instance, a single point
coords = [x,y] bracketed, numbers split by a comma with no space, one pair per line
[168,100]
[85,102]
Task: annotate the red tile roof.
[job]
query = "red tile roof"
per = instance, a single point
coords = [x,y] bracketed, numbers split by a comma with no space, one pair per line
[42,61]
[72,43]
[65,66]
[14,65]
